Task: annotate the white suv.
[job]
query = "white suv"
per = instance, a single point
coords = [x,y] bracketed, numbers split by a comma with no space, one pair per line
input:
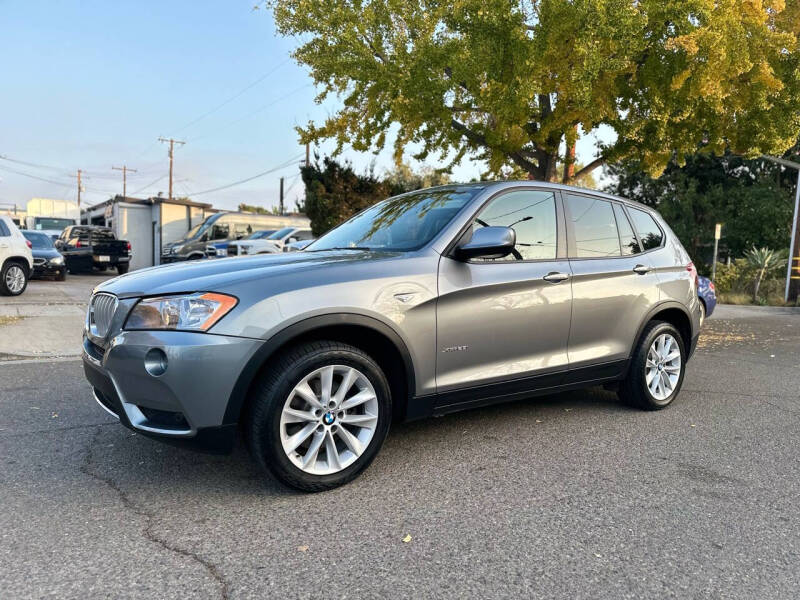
[16,260]
[272,244]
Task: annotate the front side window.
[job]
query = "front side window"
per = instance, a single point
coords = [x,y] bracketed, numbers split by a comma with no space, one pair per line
[627,240]
[400,224]
[594,227]
[532,216]
[649,232]
[219,231]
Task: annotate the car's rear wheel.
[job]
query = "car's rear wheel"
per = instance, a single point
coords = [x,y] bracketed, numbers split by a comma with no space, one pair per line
[657,368]
[122,268]
[319,415]
[13,279]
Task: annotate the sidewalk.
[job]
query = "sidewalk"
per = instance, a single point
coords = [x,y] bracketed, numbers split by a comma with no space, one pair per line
[46,321]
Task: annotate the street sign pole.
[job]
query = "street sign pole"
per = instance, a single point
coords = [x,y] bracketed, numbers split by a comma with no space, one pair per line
[717,235]
[793,268]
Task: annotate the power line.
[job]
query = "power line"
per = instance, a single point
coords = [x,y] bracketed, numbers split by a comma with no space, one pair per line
[61,183]
[252,113]
[171,143]
[234,97]
[241,181]
[155,181]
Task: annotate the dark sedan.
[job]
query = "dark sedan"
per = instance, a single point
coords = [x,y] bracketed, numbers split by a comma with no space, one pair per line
[46,259]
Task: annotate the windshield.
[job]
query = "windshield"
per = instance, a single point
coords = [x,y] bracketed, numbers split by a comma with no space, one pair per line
[39,241]
[402,223]
[259,235]
[281,233]
[51,223]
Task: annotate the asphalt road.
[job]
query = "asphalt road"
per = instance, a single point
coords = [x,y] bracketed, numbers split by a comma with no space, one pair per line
[571,496]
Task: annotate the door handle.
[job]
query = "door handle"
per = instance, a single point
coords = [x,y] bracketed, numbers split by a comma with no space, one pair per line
[641,269]
[556,277]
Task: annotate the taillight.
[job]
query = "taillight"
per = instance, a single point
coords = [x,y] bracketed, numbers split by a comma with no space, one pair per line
[711,286]
[28,242]
[78,244]
[129,246]
[693,271]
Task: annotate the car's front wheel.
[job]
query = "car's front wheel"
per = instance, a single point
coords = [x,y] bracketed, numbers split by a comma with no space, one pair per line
[657,368]
[319,415]
[13,279]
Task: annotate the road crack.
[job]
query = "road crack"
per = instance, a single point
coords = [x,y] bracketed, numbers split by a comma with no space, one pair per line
[89,468]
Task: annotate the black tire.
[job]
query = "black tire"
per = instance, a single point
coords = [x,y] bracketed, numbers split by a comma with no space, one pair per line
[262,423]
[11,264]
[633,389]
[122,269]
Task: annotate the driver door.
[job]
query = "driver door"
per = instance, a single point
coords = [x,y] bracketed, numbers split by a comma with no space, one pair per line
[509,318]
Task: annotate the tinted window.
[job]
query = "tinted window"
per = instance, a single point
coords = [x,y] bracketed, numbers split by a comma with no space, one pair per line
[649,233]
[39,241]
[532,215]
[304,234]
[281,233]
[219,231]
[627,240]
[399,224]
[594,227]
[4,231]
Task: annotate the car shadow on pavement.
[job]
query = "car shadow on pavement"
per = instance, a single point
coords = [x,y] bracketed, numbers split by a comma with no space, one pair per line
[134,461]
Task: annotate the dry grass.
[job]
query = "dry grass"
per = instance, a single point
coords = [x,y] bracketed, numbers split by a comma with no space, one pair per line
[9,320]
[747,299]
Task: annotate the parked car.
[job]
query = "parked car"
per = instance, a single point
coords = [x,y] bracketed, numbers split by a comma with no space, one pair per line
[46,259]
[245,245]
[424,304]
[16,259]
[297,246]
[708,297]
[218,231]
[87,247]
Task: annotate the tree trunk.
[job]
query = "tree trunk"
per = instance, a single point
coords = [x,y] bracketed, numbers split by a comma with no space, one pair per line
[757,284]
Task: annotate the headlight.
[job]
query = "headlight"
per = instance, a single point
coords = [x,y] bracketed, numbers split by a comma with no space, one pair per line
[58,260]
[188,312]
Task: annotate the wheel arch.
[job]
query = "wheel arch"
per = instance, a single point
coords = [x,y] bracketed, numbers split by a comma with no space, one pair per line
[21,261]
[371,335]
[673,313]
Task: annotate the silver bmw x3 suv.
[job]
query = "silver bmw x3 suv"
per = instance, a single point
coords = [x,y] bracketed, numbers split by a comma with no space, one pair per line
[426,303]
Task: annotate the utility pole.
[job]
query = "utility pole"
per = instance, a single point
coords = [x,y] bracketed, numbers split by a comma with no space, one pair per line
[717,235]
[793,268]
[124,169]
[80,185]
[281,199]
[171,154]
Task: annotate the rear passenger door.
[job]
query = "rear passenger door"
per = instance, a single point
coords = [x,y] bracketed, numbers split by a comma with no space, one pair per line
[613,284]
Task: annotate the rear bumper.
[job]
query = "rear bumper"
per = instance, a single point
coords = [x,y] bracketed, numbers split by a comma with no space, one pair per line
[185,404]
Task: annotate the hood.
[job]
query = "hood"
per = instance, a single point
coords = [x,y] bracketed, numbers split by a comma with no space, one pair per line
[220,275]
[47,253]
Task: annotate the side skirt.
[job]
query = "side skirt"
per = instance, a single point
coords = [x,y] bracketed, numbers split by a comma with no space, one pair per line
[420,407]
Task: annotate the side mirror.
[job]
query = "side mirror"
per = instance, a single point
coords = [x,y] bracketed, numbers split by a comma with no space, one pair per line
[487,242]
[59,244]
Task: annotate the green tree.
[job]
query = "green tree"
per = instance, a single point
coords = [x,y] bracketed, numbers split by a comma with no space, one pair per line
[752,198]
[259,210]
[514,82]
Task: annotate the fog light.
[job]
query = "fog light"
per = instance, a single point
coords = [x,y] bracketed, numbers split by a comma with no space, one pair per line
[155,362]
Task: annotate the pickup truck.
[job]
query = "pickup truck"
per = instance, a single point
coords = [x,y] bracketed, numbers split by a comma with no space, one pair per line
[87,247]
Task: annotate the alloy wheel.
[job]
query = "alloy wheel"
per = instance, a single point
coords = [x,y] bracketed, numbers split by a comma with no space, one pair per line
[329,419]
[663,367]
[15,279]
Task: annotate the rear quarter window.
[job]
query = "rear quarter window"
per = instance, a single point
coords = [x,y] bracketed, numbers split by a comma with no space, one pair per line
[4,230]
[650,233]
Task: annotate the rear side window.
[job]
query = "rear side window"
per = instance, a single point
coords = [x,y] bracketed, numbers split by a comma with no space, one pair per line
[594,226]
[627,240]
[649,232]
[532,216]
[4,230]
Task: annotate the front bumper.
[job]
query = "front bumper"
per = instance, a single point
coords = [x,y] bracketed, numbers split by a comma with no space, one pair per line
[43,269]
[186,403]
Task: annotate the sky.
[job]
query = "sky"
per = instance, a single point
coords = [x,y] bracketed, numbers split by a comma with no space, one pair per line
[90,85]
